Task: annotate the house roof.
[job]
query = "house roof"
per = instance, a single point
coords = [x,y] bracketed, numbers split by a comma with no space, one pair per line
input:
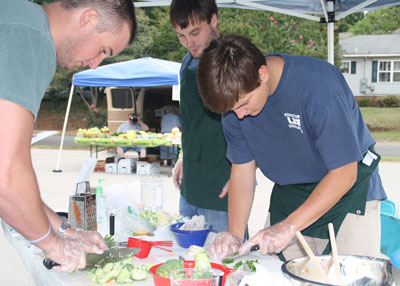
[371,45]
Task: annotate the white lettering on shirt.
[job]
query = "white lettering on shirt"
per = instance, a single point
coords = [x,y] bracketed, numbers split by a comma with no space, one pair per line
[294,121]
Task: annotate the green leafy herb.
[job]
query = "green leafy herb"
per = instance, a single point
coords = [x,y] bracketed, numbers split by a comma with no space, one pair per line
[237,265]
[109,240]
[250,264]
[227,261]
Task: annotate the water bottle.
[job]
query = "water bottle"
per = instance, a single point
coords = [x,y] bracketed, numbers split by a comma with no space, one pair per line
[101,210]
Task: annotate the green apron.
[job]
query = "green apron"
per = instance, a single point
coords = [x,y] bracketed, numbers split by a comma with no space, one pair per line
[205,166]
[286,199]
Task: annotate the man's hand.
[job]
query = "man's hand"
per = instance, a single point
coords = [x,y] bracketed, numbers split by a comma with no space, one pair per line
[225,190]
[68,252]
[92,241]
[271,239]
[178,173]
[223,245]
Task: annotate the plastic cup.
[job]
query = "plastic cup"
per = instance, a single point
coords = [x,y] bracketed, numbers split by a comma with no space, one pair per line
[196,277]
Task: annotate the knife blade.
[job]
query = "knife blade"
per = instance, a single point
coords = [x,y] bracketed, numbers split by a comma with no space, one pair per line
[93,260]
[237,255]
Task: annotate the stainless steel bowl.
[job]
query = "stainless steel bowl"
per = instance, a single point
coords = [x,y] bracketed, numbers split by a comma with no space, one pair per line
[355,271]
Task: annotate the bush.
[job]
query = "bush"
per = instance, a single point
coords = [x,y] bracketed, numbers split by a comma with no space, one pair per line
[388,101]
[364,102]
[96,117]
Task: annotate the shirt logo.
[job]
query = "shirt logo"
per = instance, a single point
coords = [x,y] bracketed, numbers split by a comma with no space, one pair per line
[294,121]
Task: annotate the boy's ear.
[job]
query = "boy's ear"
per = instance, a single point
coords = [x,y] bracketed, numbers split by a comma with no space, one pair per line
[214,21]
[263,73]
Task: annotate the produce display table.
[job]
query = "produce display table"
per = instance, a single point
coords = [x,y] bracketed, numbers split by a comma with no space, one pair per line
[103,143]
[32,258]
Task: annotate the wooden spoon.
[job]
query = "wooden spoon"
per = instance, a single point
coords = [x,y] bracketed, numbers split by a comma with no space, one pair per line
[311,255]
[335,254]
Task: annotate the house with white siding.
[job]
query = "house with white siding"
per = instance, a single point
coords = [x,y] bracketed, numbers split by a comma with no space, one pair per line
[371,64]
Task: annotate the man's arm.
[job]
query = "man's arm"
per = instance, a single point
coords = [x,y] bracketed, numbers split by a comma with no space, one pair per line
[144,126]
[326,194]
[241,195]
[20,202]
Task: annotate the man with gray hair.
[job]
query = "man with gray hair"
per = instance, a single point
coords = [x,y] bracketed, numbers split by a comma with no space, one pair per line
[34,39]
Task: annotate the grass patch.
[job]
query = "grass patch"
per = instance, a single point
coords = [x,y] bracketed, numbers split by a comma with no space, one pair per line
[384,123]
[381,119]
[390,159]
[389,136]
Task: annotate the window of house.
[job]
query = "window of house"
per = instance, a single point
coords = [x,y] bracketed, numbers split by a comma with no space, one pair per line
[353,67]
[345,67]
[389,71]
[348,67]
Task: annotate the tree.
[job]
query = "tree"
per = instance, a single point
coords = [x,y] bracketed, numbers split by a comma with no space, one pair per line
[381,21]
[274,32]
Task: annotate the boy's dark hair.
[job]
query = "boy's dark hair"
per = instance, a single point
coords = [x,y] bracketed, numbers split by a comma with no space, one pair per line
[184,12]
[227,70]
[112,13]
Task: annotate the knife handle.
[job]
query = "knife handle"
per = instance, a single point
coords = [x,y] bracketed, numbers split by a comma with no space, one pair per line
[48,263]
[255,247]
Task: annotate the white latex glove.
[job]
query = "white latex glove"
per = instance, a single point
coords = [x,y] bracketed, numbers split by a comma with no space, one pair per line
[68,252]
[223,245]
[225,190]
[271,239]
[178,173]
[92,241]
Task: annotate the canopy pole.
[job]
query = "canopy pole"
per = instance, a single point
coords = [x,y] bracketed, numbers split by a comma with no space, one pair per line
[328,6]
[57,169]
[331,43]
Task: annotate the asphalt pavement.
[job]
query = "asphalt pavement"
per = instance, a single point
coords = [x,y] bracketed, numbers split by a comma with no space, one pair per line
[385,149]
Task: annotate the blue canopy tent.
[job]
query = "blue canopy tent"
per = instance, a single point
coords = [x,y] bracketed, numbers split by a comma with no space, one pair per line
[143,72]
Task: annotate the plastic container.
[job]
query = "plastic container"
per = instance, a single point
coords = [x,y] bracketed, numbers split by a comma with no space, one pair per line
[163,281]
[186,238]
[184,277]
[395,258]
[152,192]
[143,245]
[101,210]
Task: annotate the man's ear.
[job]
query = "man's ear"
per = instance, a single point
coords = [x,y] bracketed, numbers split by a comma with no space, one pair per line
[214,21]
[263,73]
[89,18]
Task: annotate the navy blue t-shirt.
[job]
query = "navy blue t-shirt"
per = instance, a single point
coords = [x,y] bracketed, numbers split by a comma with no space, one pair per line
[310,125]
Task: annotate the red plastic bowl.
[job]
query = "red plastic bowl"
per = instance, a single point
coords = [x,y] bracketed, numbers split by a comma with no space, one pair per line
[163,281]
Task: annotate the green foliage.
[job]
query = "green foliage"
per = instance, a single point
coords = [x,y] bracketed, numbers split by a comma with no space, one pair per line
[274,32]
[165,44]
[271,32]
[364,102]
[97,117]
[59,88]
[381,21]
[349,21]
[388,101]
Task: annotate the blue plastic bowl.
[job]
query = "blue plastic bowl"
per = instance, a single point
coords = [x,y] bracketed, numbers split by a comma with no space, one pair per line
[186,238]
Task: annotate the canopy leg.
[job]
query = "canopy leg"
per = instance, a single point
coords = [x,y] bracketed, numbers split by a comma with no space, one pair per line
[57,169]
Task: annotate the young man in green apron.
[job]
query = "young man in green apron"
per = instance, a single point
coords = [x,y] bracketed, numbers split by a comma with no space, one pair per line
[204,171]
[297,120]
